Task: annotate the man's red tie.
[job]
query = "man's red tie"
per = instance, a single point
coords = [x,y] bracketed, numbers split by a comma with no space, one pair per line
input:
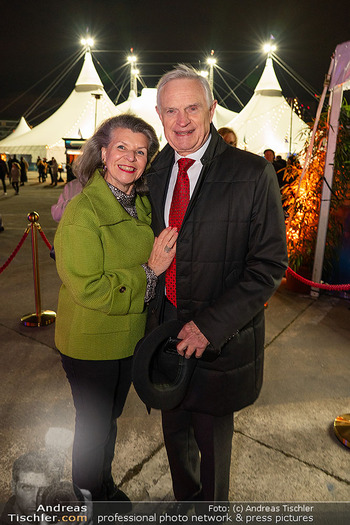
[179,203]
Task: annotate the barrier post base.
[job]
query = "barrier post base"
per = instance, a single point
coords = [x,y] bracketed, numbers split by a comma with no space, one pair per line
[45,318]
[342,429]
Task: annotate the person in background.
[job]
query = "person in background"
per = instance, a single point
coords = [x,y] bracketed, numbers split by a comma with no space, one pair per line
[3,172]
[11,161]
[109,264]
[54,171]
[230,258]
[229,136]
[15,176]
[42,169]
[278,163]
[70,190]
[70,174]
[24,170]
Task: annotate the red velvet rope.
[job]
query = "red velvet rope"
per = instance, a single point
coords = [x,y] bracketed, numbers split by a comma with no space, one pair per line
[15,251]
[43,236]
[322,286]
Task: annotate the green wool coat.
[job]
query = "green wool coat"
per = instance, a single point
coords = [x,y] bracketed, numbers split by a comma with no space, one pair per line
[99,252]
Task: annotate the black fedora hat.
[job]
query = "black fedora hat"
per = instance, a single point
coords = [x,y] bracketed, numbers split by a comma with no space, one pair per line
[160,375]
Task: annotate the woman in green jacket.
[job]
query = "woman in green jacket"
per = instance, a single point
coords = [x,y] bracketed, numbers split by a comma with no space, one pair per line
[108,261]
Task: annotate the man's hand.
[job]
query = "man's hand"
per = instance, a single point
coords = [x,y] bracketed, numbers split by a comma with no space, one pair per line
[193,341]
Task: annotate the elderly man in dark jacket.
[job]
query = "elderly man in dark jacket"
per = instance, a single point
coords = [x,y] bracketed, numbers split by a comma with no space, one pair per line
[230,258]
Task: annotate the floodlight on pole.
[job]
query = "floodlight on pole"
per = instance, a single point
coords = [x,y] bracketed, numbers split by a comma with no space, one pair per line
[87,42]
[211,61]
[269,48]
[133,71]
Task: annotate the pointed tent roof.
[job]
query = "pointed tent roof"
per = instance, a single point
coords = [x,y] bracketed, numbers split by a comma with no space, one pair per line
[20,129]
[268,121]
[74,119]
[88,79]
[268,80]
[222,116]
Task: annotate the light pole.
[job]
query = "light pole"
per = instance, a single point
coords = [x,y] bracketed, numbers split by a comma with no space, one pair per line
[133,72]
[211,61]
[97,97]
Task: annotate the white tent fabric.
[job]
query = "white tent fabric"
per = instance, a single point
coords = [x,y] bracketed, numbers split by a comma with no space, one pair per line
[144,107]
[222,116]
[20,129]
[267,121]
[75,119]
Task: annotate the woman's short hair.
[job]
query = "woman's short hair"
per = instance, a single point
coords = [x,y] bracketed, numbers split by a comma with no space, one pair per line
[187,72]
[91,158]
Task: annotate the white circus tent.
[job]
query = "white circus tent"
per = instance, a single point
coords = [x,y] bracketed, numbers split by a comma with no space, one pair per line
[20,129]
[144,107]
[268,121]
[222,116]
[84,109]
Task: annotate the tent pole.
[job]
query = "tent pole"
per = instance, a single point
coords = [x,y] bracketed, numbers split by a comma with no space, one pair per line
[337,96]
[291,126]
[308,156]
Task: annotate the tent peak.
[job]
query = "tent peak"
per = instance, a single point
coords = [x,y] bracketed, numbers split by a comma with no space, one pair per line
[88,79]
[268,80]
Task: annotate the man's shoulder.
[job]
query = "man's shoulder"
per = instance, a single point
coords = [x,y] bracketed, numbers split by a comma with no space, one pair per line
[239,162]
[163,159]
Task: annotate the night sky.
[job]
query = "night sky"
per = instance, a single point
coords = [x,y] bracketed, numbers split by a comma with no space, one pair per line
[41,38]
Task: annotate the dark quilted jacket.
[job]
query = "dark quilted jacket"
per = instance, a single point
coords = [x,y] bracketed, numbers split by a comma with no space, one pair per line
[231,256]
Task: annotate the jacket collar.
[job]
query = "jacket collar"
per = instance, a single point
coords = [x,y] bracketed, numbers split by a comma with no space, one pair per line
[106,207]
[166,157]
[159,172]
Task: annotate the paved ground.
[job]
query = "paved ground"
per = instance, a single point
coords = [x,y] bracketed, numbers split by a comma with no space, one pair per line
[284,448]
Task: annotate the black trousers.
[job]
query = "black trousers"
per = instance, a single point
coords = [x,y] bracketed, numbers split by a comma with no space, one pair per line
[99,390]
[199,448]
[199,453]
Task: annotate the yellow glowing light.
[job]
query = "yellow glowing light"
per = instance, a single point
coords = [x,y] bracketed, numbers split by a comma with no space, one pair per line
[211,61]
[204,73]
[87,42]
[268,48]
[132,58]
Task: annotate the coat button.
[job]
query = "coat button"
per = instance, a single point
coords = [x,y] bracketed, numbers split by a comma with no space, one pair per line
[122,289]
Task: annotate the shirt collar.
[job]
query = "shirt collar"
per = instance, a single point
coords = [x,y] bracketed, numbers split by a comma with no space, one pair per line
[196,155]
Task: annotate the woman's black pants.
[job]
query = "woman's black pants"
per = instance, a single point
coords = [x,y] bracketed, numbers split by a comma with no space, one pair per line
[99,390]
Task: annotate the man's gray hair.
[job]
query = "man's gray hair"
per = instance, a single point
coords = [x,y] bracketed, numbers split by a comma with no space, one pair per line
[188,72]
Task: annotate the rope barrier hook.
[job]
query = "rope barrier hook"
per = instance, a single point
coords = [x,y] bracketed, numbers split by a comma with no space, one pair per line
[40,317]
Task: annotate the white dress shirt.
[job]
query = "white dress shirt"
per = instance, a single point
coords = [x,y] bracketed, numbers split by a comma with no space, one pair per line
[193,175]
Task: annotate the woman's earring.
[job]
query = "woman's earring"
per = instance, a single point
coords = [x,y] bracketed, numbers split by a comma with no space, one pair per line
[104,167]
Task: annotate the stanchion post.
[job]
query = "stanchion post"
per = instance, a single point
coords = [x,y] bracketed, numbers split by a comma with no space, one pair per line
[41,317]
[342,429]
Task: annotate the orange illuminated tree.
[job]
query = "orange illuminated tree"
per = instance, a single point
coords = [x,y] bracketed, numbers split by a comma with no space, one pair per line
[303,203]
